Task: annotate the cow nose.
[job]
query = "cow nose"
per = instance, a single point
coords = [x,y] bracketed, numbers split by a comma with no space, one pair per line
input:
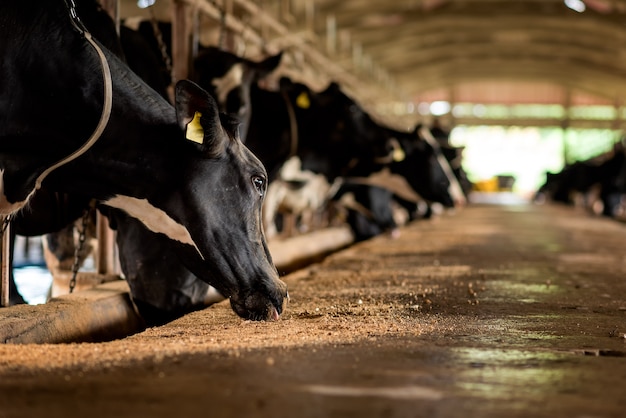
[265,305]
[273,315]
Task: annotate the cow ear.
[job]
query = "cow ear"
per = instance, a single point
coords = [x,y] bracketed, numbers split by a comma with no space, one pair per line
[333,87]
[268,65]
[198,116]
[285,83]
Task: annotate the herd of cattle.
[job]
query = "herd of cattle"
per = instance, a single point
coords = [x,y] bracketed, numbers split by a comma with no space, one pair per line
[597,184]
[191,182]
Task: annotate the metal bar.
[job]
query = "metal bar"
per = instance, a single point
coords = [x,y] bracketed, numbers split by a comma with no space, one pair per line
[322,64]
[231,22]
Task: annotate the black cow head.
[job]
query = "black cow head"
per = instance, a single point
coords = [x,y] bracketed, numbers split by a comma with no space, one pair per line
[336,137]
[422,168]
[228,78]
[183,173]
[220,197]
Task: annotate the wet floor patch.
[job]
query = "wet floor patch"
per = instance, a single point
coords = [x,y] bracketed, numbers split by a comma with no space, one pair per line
[397,393]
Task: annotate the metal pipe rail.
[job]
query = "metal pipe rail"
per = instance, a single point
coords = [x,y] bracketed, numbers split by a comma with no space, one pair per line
[363,91]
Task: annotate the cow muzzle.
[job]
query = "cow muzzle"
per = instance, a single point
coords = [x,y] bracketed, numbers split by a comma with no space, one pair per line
[267,305]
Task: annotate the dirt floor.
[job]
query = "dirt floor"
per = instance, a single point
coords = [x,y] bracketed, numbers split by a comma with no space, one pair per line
[516,311]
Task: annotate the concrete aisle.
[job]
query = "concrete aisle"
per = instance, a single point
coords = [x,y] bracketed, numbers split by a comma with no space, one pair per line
[497,311]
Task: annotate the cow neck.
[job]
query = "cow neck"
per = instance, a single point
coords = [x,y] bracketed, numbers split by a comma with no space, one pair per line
[108,97]
[456,191]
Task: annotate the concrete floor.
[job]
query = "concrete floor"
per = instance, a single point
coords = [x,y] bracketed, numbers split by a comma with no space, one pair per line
[497,311]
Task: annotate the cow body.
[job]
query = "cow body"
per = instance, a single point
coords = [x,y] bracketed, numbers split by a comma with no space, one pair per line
[203,194]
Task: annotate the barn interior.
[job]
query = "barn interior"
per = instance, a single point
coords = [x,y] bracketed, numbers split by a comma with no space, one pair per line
[538,80]
[509,306]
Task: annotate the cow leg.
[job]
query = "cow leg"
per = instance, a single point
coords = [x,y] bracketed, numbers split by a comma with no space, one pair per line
[60,247]
[289,224]
[15,298]
[273,197]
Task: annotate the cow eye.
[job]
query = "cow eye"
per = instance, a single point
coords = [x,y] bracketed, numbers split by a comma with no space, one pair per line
[259,184]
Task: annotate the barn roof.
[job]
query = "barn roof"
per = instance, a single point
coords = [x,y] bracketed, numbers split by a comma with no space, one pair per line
[480,51]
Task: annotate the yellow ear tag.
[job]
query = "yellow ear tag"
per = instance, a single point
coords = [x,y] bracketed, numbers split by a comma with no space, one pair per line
[303,101]
[398,154]
[194,130]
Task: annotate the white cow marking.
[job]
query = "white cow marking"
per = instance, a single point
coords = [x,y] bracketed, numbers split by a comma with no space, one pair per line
[226,83]
[6,207]
[153,218]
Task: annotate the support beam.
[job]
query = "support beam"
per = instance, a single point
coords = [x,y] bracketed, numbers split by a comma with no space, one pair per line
[5,270]
[180,41]
[106,312]
[100,314]
[105,254]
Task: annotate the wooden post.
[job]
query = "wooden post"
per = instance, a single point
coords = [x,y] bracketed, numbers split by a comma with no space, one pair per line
[565,124]
[105,254]
[6,265]
[195,33]
[225,33]
[331,35]
[180,41]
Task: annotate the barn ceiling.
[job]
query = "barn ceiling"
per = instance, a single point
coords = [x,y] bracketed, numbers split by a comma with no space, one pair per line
[438,43]
[415,50]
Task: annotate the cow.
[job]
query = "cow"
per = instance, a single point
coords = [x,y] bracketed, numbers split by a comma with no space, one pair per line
[331,135]
[163,289]
[326,134]
[369,209]
[298,195]
[229,77]
[598,184]
[224,75]
[416,175]
[77,120]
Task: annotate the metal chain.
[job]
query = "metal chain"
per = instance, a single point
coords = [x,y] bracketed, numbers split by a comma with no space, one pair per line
[222,11]
[82,234]
[159,36]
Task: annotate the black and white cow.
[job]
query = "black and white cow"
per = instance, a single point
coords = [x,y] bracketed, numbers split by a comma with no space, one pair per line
[326,134]
[416,175]
[164,288]
[221,72]
[332,135]
[229,77]
[426,168]
[226,76]
[181,171]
